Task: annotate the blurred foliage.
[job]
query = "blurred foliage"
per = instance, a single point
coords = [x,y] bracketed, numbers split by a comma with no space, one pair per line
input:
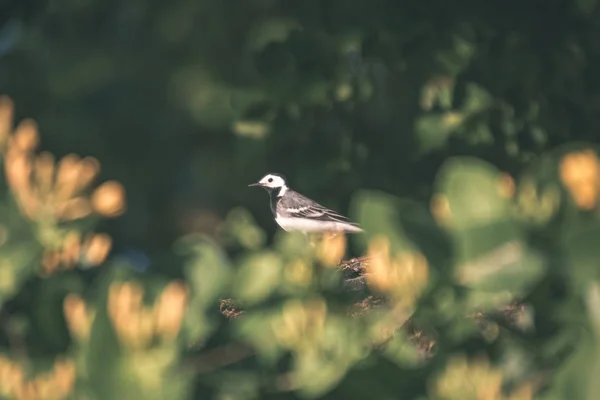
[458,134]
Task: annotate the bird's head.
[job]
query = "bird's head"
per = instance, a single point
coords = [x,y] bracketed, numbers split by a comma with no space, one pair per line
[272,182]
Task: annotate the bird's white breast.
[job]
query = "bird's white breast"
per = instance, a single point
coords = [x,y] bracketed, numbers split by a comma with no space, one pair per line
[308,225]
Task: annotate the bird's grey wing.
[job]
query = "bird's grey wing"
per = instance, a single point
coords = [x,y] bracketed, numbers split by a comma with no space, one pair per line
[299,206]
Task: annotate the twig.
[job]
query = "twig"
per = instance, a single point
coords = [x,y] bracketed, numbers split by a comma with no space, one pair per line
[220,357]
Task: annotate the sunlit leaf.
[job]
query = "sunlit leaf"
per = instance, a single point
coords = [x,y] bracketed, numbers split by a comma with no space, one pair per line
[256,328]
[378,214]
[269,31]
[241,229]
[582,255]
[208,272]
[258,277]
[433,130]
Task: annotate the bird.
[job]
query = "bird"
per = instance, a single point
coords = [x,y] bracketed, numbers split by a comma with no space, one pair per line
[295,212]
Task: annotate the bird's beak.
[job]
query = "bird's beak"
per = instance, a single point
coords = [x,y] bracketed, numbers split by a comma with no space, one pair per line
[254,184]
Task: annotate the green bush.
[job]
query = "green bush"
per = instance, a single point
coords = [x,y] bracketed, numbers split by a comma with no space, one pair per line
[460,135]
[457,303]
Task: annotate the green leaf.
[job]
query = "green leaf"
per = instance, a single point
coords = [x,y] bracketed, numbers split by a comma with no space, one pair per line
[317,372]
[572,377]
[472,189]
[207,268]
[433,129]
[422,230]
[593,306]
[241,229]
[272,30]
[292,244]
[146,374]
[490,250]
[511,266]
[19,260]
[477,99]
[256,328]
[258,277]
[582,254]
[208,272]
[378,214]
[402,351]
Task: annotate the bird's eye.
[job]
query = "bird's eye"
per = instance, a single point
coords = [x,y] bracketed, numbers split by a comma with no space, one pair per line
[270,180]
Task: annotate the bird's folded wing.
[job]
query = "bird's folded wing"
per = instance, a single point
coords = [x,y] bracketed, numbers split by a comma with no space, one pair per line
[316,212]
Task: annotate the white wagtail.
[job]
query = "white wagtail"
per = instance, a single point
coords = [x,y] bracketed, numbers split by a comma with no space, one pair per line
[295,212]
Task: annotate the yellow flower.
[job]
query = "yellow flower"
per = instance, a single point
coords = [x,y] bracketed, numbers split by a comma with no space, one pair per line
[506,186]
[96,248]
[299,272]
[135,324]
[77,316]
[45,189]
[402,276]
[26,137]
[72,248]
[6,120]
[109,199]
[169,310]
[331,248]
[56,384]
[580,173]
[474,379]
[465,379]
[440,209]
[301,323]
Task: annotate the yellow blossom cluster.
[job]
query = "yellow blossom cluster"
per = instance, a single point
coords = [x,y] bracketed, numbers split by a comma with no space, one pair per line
[506,186]
[299,271]
[580,173]
[475,379]
[46,189]
[401,276]
[137,325]
[331,248]
[536,204]
[328,250]
[91,249]
[301,323]
[49,192]
[56,384]
[441,211]
[78,316]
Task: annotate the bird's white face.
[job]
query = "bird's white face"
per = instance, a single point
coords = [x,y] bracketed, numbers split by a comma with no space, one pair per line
[272,181]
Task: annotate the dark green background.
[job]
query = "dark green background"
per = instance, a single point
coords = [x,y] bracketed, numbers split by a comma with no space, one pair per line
[152,89]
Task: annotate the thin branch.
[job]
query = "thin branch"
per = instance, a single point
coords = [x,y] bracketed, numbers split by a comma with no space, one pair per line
[220,357]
